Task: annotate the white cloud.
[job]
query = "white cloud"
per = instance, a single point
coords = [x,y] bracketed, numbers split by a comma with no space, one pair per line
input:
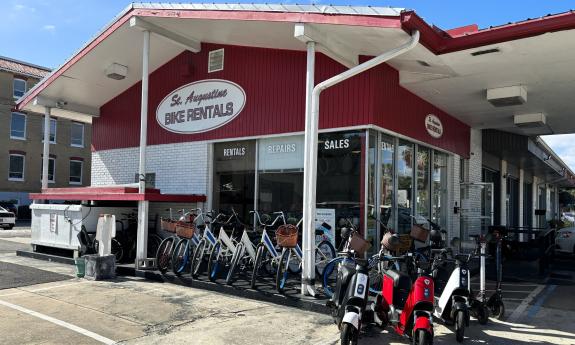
[49,28]
[564,146]
[21,7]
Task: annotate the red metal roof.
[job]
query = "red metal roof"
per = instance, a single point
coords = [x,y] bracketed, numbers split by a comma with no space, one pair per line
[118,193]
[442,42]
[23,68]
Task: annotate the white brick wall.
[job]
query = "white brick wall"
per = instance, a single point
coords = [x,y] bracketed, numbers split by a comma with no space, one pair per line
[180,168]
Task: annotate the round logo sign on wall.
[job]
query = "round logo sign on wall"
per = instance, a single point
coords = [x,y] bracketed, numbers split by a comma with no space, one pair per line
[201,106]
[433,126]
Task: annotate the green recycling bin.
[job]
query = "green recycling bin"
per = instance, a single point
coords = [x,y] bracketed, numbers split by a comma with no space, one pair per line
[80,267]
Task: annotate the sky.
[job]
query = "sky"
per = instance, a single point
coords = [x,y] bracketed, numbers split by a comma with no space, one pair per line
[48,32]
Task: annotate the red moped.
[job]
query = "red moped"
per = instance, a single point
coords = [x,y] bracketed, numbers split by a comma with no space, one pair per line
[406,306]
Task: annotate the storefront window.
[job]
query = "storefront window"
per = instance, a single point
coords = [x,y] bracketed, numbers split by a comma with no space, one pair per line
[339,177]
[439,201]
[423,185]
[387,195]
[404,186]
[280,164]
[234,178]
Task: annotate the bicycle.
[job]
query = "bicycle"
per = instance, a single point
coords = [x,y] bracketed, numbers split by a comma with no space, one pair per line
[125,243]
[223,249]
[185,248]
[206,243]
[166,248]
[267,255]
[244,253]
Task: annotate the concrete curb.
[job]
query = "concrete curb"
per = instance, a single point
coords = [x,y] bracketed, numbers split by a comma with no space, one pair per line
[240,288]
[293,300]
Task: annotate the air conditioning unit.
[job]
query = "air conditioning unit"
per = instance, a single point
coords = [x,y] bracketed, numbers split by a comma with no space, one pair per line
[116,71]
[530,120]
[507,96]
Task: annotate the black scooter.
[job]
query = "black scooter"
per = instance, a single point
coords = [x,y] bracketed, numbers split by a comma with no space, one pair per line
[350,299]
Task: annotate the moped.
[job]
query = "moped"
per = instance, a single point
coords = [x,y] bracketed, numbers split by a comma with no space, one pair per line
[408,306]
[452,290]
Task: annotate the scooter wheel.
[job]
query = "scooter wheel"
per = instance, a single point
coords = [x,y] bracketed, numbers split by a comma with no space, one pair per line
[498,310]
[482,314]
[347,335]
[422,337]
[460,326]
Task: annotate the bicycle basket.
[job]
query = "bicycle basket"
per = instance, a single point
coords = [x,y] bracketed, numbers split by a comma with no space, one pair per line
[168,225]
[419,233]
[404,243]
[185,230]
[359,244]
[286,236]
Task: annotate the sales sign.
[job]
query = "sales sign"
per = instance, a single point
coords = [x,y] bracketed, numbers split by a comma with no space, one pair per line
[201,106]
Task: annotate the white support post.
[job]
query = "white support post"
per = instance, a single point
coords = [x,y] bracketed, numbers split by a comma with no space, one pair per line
[535,201]
[142,237]
[46,151]
[308,236]
[521,198]
[503,194]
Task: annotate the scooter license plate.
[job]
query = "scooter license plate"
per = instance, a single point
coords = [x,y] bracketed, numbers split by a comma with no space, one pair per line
[360,285]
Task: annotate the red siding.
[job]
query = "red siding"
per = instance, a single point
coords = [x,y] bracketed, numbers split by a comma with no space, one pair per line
[274,82]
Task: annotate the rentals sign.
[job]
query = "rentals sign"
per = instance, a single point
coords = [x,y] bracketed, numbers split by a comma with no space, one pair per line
[201,106]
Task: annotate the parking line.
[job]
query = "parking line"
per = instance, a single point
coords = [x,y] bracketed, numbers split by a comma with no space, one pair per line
[61,323]
[514,317]
[537,305]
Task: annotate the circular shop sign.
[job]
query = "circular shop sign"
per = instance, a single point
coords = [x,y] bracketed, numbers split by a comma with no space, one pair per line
[433,126]
[201,106]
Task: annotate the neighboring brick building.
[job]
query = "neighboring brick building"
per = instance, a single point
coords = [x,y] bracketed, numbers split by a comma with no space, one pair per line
[21,139]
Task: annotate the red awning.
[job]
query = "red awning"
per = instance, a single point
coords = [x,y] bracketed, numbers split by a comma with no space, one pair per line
[118,193]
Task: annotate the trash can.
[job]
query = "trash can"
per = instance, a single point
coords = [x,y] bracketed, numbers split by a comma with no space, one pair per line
[80,267]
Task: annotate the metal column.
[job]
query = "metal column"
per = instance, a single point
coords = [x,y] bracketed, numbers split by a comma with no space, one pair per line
[310,146]
[142,240]
[46,152]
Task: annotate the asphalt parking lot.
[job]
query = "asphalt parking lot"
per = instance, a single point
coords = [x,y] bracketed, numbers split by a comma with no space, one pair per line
[69,310]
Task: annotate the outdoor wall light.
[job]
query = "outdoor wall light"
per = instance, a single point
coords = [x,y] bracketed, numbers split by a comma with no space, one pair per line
[116,71]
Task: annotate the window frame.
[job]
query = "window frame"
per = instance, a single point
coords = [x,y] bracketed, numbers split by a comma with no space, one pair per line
[81,171]
[14,87]
[16,179]
[83,134]
[25,125]
[55,129]
[53,180]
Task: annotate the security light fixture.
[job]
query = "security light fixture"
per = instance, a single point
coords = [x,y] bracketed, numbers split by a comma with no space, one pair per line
[116,71]
[507,96]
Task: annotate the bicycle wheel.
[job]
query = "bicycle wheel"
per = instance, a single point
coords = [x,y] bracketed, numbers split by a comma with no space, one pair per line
[283,270]
[164,255]
[329,277]
[324,253]
[117,250]
[257,265]
[181,256]
[198,259]
[153,245]
[214,262]
[235,263]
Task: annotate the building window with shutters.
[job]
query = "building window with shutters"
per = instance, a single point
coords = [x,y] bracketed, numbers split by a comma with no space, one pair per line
[16,167]
[76,171]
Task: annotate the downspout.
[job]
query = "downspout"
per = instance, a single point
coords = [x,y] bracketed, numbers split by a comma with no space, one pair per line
[310,176]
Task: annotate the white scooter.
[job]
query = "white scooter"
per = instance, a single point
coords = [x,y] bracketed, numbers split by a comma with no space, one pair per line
[452,291]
